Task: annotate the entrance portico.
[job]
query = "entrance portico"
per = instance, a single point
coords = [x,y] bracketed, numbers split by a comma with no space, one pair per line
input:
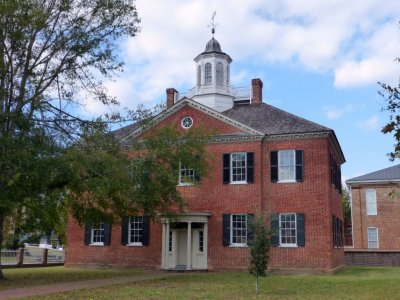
[184,242]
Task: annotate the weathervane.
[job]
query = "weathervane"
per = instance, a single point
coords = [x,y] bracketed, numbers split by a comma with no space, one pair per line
[213,24]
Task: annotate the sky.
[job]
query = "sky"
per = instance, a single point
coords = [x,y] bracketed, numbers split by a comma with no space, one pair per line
[320,60]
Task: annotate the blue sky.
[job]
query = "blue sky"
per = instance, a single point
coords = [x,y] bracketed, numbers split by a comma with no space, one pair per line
[320,60]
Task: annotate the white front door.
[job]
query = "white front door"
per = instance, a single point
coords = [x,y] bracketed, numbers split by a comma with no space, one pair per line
[182,248]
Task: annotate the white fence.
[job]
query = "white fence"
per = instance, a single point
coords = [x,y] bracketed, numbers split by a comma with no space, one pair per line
[31,256]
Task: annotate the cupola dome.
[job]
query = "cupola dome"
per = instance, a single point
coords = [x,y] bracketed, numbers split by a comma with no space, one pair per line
[213,46]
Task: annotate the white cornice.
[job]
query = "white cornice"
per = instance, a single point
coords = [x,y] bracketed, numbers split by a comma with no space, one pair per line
[361,182]
[290,136]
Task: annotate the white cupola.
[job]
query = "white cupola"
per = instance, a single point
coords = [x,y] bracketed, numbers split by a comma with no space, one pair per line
[213,87]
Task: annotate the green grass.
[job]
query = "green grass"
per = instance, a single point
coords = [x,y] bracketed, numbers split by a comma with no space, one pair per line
[25,277]
[352,283]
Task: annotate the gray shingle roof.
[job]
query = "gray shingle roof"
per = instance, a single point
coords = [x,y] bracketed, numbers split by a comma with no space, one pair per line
[271,120]
[390,173]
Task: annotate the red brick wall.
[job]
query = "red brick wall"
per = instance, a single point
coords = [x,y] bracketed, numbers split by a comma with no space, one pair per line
[387,219]
[314,197]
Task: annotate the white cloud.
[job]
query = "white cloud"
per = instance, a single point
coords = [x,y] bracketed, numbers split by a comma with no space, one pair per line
[356,41]
[371,124]
[333,113]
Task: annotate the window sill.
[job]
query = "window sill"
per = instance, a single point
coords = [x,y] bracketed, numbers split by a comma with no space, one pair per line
[238,246]
[134,245]
[288,246]
[185,184]
[287,181]
[97,244]
[238,182]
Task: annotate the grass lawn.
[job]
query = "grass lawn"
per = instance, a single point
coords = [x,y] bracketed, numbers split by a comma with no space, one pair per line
[352,283]
[24,277]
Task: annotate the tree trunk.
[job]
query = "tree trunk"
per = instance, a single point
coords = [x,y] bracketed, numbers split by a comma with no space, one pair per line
[257,285]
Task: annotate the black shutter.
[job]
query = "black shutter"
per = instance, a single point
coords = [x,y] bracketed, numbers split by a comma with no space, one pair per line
[88,234]
[146,231]
[107,234]
[226,168]
[125,231]
[274,166]
[197,176]
[226,229]
[250,229]
[299,165]
[250,167]
[301,238]
[275,229]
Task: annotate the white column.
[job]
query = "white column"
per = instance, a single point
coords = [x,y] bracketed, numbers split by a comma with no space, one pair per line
[167,245]
[189,247]
[205,244]
[163,257]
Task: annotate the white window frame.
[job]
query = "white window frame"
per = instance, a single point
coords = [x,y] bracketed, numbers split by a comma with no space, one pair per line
[370,202]
[98,231]
[231,168]
[191,175]
[136,221]
[370,241]
[281,243]
[282,165]
[244,244]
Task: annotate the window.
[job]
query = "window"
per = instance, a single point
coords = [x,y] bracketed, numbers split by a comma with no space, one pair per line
[135,230]
[207,74]
[199,75]
[227,75]
[186,176]
[98,233]
[288,230]
[170,242]
[187,122]
[337,227]
[373,241]
[236,230]
[287,165]
[370,199]
[238,167]
[220,74]
[336,175]
[201,241]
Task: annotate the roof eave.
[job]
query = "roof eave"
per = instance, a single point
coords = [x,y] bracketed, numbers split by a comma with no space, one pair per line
[383,181]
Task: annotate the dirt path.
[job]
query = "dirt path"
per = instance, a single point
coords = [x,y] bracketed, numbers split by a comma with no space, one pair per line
[76,285]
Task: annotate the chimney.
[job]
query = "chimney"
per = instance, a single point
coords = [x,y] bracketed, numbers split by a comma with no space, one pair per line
[171,92]
[256,88]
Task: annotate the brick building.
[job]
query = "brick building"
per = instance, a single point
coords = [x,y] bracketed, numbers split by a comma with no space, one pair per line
[375,210]
[265,159]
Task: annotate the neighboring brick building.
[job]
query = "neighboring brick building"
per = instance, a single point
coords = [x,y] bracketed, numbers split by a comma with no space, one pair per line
[376,210]
[265,160]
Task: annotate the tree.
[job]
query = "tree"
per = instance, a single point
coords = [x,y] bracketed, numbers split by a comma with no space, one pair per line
[391,94]
[259,251]
[54,55]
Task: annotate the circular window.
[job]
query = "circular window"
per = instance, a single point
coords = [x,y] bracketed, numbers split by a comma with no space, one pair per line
[187,122]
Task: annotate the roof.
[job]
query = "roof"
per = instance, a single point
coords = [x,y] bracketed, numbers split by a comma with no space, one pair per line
[213,46]
[388,174]
[271,120]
